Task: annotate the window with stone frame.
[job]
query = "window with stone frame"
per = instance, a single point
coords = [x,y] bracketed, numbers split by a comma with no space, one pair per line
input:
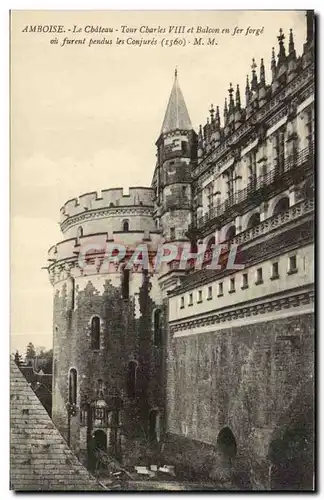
[95,333]
[157,327]
[278,140]
[210,195]
[252,166]
[230,185]
[309,117]
[73,386]
[125,284]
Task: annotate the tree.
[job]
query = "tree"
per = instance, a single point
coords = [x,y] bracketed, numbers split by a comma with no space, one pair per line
[18,359]
[30,351]
[45,360]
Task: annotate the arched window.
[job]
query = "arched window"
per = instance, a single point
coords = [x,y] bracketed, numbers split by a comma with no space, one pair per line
[80,232]
[95,333]
[157,330]
[73,386]
[281,206]
[131,379]
[230,233]
[125,284]
[125,226]
[254,220]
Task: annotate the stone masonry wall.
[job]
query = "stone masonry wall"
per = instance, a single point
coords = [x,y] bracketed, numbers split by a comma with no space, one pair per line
[126,334]
[246,378]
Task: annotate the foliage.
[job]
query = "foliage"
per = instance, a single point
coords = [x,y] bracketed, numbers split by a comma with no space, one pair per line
[18,358]
[30,351]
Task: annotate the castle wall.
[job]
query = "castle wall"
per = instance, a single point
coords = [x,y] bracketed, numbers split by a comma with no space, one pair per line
[245,378]
[253,291]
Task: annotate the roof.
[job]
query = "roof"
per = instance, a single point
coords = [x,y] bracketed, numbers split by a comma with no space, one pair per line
[176,115]
[40,458]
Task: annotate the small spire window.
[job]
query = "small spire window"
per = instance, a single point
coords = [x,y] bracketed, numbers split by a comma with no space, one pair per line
[95,333]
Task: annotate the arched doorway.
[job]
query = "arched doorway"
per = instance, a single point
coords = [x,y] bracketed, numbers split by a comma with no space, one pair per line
[100,440]
[254,220]
[226,443]
[96,446]
[154,426]
[281,206]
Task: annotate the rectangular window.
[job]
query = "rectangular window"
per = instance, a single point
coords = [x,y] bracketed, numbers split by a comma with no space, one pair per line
[199,299]
[252,170]
[279,150]
[310,126]
[232,285]
[210,293]
[275,271]
[259,278]
[292,264]
[172,233]
[210,196]
[245,282]
[182,304]
[190,299]
[220,289]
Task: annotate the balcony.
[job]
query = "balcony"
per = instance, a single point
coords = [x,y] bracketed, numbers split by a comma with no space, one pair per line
[288,171]
[296,211]
[302,208]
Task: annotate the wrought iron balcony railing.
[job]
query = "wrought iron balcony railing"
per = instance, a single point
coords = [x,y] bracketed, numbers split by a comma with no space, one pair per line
[284,170]
[299,209]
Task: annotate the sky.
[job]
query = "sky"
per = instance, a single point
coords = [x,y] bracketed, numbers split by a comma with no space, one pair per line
[87,118]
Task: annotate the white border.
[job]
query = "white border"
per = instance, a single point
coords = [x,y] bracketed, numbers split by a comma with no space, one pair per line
[4,198]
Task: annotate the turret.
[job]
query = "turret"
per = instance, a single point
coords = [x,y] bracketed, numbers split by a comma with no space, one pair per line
[177,149]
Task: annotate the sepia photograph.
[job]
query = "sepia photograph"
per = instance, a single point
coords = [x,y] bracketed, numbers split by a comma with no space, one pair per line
[162,218]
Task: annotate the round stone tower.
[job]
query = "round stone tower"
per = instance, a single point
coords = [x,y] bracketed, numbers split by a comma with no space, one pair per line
[107,327]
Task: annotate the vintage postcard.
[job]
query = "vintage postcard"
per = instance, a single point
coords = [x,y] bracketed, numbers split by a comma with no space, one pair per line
[162,248]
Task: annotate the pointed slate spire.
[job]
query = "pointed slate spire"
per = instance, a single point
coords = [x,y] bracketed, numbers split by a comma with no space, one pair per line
[176,115]
[273,64]
[212,112]
[225,111]
[237,99]
[247,91]
[282,50]
[309,26]
[254,80]
[291,47]
[217,117]
[262,72]
[231,100]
